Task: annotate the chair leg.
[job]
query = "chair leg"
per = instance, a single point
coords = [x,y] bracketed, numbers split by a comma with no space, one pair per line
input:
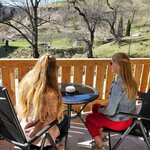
[66,139]
[144,134]
[109,140]
[43,142]
[51,141]
[124,135]
[147,132]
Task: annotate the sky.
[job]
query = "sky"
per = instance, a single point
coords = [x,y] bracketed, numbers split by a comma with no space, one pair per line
[42,1]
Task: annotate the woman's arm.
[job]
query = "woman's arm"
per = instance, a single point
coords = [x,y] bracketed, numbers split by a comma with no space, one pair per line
[31,129]
[115,97]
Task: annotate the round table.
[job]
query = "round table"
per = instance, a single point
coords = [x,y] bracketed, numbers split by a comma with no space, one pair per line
[83,95]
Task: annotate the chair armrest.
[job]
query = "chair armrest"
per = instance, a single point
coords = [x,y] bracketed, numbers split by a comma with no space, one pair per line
[141,94]
[139,98]
[44,130]
[134,115]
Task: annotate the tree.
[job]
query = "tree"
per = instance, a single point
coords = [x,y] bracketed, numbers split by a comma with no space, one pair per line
[111,19]
[117,9]
[120,27]
[26,18]
[89,17]
[128,28]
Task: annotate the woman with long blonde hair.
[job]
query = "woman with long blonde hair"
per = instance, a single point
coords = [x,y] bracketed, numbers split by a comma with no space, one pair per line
[40,100]
[122,99]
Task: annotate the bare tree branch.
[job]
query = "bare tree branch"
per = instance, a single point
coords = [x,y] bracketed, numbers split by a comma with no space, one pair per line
[11,25]
[107,1]
[23,25]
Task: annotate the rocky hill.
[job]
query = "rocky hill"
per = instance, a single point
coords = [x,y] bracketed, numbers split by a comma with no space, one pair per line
[59,33]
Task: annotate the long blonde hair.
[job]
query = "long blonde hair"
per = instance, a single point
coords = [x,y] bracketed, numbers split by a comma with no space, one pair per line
[33,86]
[125,71]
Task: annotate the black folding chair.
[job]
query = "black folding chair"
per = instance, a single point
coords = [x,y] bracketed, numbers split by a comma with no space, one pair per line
[11,130]
[141,123]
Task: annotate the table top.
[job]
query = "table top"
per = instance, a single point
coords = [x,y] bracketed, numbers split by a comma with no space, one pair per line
[82,95]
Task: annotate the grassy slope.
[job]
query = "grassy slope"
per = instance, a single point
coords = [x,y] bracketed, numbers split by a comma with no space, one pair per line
[61,42]
[21,43]
[139,47]
[64,42]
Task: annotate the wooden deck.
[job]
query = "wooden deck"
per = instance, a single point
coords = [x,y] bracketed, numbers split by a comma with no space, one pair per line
[79,139]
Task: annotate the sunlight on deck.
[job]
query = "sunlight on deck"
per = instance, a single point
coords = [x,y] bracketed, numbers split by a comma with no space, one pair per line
[85,144]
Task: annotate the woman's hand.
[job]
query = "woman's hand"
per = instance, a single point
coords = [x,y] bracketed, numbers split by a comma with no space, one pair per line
[32,128]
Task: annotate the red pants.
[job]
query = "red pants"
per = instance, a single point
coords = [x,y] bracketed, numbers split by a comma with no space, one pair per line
[97,121]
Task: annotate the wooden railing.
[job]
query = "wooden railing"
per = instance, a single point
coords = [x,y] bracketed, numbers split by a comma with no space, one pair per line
[93,72]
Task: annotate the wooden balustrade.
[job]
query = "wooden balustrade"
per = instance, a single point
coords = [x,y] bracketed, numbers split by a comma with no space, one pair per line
[93,72]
